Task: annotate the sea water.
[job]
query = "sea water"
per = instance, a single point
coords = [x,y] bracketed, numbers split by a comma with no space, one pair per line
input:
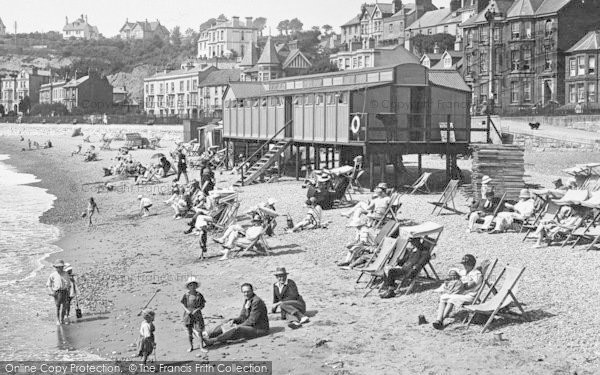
[27,318]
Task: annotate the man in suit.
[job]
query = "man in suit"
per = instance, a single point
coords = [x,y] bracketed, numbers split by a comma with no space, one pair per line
[408,266]
[253,320]
[287,298]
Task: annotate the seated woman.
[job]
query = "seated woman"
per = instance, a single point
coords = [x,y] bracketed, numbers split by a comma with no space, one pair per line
[236,235]
[471,279]
[312,219]
[360,246]
[289,301]
[567,219]
[374,209]
[519,211]
[148,176]
[482,209]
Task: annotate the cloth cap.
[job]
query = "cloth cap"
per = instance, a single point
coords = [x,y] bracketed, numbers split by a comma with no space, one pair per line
[191,280]
[524,194]
[280,271]
[469,260]
[59,263]
[486,180]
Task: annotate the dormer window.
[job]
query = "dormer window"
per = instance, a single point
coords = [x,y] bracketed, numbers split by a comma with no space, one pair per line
[447,62]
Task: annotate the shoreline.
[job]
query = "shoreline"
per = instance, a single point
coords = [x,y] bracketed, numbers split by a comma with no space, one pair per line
[123,260]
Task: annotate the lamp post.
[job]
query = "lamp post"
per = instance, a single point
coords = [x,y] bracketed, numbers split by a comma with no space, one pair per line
[489,16]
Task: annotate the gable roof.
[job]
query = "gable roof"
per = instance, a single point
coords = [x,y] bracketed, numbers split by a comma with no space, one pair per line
[448,78]
[353,21]
[246,89]
[385,8]
[405,10]
[551,6]
[128,25]
[221,77]
[456,57]
[590,41]
[431,18]
[501,6]
[2,24]
[523,8]
[293,55]
[79,24]
[77,82]
[152,26]
[269,55]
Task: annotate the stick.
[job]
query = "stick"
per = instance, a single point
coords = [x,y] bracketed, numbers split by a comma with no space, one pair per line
[151,298]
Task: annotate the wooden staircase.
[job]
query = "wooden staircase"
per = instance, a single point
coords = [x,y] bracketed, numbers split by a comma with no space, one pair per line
[257,169]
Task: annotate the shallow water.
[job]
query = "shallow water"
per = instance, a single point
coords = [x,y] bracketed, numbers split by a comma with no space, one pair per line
[27,328]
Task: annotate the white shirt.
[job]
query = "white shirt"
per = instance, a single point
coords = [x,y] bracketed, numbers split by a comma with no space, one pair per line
[145,330]
[145,202]
[58,281]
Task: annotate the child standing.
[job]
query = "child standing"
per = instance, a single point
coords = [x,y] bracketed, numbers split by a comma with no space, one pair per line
[147,329]
[92,206]
[193,302]
[72,291]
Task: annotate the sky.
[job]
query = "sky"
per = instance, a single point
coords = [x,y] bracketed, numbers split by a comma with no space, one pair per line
[110,15]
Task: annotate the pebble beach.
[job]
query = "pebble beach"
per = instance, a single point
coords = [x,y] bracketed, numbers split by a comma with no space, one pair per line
[124,259]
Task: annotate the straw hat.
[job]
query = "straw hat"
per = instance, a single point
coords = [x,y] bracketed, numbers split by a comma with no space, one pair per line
[280,271]
[191,280]
[486,180]
[59,263]
[271,201]
[147,312]
[323,178]
[382,185]
[524,194]
[68,267]
[140,196]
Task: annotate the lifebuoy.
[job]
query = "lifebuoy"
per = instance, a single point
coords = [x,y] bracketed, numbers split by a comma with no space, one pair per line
[355,124]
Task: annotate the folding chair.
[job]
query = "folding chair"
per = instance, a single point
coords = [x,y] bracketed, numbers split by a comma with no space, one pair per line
[379,259]
[420,184]
[502,300]
[399,249]
[355,183]
[244,248]
[446,198]
[487,270]
[106,144]
[392,210]
[496,210]
[228,216]
[549,213]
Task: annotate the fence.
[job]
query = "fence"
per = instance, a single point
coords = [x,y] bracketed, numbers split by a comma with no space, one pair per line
[87,119]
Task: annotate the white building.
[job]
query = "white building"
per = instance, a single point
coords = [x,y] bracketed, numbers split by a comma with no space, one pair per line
[227,38]
[80,29]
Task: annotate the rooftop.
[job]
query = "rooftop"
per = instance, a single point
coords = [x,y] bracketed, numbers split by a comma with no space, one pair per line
[590,42]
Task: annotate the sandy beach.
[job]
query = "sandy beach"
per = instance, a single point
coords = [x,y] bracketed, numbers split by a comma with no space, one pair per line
[123,259]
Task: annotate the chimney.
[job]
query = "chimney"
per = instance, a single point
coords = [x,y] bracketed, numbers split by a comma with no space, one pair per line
[455,5]
[248,21]
[436,48]
[66,20]
[86,19]
[236,21]
[292,45]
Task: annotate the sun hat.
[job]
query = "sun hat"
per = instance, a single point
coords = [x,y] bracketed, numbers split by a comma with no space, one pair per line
[382,186]
[68,267]
[525,194]
[558,180]
[486,180]
[147,312]
[191,280]
[468,259]
[323,178]
[280,271]
[140,196]
[271,201]
[59,263]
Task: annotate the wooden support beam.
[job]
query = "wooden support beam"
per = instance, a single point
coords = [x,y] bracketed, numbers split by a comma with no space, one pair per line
[382,164]
[297,162]
[307,158]
[420,164]
[317,153]
[371,171]
[326,157]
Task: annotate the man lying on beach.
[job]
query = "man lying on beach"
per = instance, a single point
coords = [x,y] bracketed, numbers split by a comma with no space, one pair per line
[59,286]
[253,320]
[313,217]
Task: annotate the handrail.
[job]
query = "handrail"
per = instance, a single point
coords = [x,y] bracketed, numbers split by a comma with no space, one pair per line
[245,162]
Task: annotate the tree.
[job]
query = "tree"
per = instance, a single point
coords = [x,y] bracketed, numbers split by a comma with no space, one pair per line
[1,110]
[316,28]
[295,25]
[176,37]
[425,43]
[25,104]
[327,28]
[284,26]
[260,23]
[208,23]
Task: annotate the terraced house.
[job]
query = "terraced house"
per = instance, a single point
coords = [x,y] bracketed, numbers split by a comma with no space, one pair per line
[227,38]
[530,38]
[581,84]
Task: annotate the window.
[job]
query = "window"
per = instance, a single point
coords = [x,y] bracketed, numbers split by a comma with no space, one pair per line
[527,91]
[297,100]
[429,32]
[592,92]
[470,38]
[330,99]
[367,61]
[515,59]
[514,93]
[342,98]
[483,62]
[187,85]
[172,86]
[497,34]
[446,29]
[354,62]
[572,94]
[256,102]
[391,28]
[447,62]
[319,99]
[484,34]
[469,62]
[528,33]
[526,59]
[195,85]
[309,99]
[548,28]
[360,61]
[547,59]
[263,102]
[591,64]
[581,92]
[516,30]
[581,65]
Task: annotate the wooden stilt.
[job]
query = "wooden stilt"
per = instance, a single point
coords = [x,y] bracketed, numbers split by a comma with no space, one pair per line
[317,153]
[307,158]
[297,162]
[326,157]
[371,171]
[226,155]
[382,163]
[420,164]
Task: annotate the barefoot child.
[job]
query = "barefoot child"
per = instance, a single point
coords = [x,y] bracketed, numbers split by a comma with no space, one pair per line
[193,302]
[147,344]
[92,206]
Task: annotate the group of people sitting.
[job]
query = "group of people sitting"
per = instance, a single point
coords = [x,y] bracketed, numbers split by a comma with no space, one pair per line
[327,188]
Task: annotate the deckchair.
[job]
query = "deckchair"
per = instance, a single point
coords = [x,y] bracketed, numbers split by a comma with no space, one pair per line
[420,184]
[228,216]
[195,150]
[496,210]
[572,197]
[446,198]
[355,183]
[487,270]
[106,144]
[550,212]
[502,300]
[155,142]
[380,259]
[430,232]
[391,211]
[399,250]
[244,248]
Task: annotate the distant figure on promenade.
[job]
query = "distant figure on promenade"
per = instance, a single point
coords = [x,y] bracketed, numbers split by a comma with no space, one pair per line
[253,320]
[91,208]
[59,286]
[145,204]
[104,119]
